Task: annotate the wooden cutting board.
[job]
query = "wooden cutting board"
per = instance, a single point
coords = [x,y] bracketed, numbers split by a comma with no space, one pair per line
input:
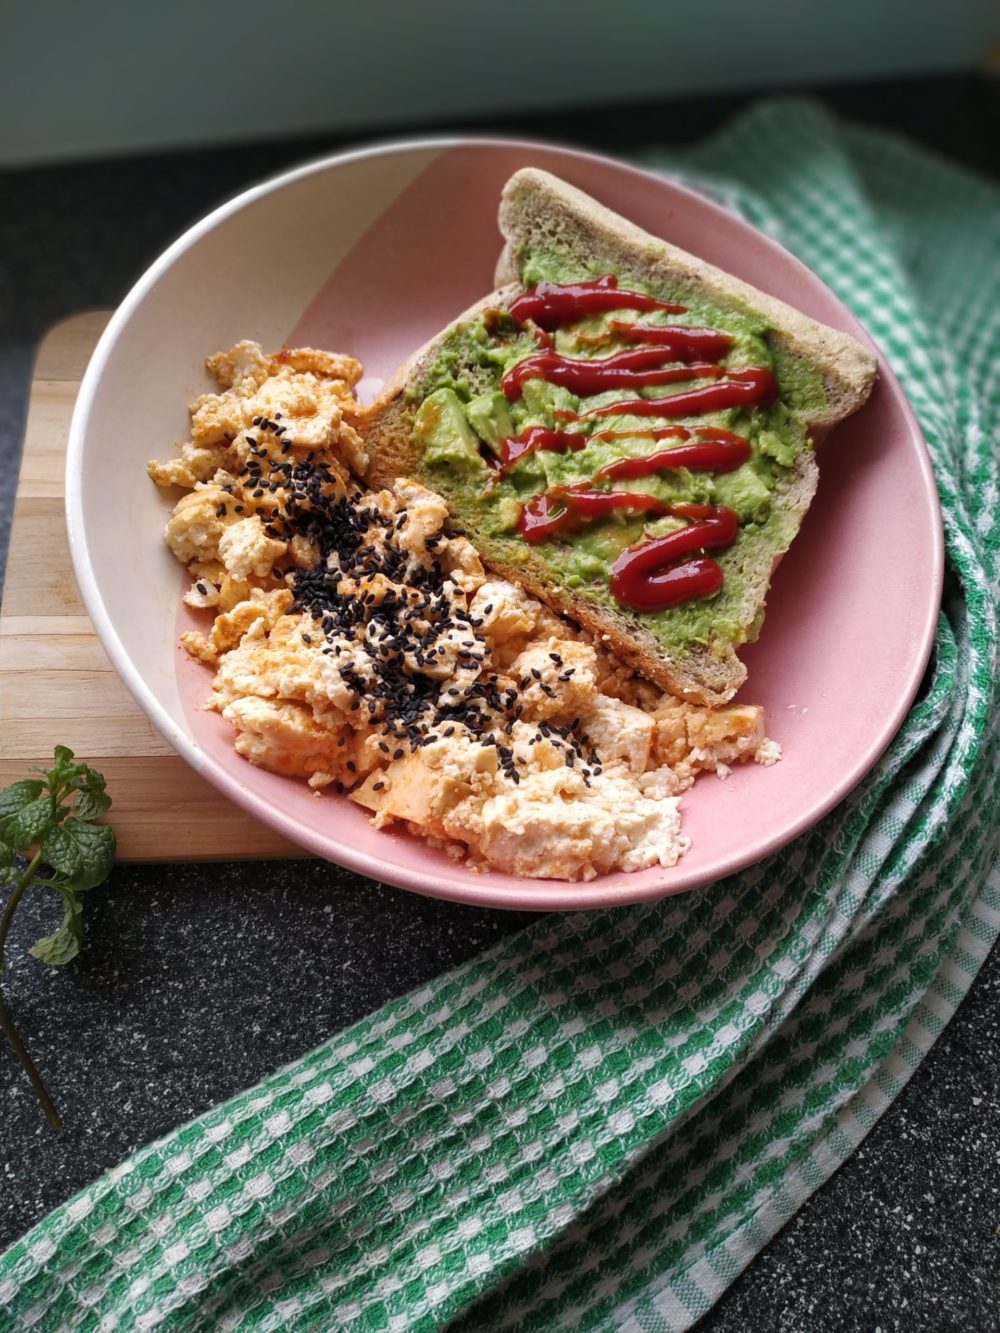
[56,684]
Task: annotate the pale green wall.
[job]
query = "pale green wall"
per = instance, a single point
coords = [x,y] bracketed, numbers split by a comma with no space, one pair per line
[89,77]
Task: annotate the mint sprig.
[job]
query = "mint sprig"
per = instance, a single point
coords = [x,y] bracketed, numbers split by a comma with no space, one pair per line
[50,820]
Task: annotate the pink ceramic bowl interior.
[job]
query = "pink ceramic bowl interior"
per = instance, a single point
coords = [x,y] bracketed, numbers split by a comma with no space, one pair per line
[371,253]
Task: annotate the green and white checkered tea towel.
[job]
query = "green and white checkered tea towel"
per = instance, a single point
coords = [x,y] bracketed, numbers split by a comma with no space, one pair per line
[599,1123]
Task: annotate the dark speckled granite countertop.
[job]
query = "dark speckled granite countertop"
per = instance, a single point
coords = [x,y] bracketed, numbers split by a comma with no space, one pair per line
[199,980]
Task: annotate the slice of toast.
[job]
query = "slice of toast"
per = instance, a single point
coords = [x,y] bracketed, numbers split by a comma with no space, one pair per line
[554,231]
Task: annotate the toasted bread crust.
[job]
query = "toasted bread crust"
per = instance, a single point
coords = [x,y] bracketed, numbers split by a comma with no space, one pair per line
[534,207]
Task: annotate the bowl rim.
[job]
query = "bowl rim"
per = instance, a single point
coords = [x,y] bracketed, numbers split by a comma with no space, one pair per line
[537,895]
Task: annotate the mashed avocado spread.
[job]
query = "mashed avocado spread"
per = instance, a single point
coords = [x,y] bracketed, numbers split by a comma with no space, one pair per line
[461,414]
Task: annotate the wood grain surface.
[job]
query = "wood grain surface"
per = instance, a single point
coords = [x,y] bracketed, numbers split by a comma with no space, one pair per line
[56,684]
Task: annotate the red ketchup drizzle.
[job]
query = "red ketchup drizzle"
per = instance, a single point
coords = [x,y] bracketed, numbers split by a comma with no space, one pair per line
[550,305]
[564,508]
[682,342]
[649,433]
[652,576]
[587,375]
[751,387]
[716,450]
[515,447]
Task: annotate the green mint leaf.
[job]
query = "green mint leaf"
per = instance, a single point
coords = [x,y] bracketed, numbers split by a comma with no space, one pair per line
[91,805]
[92,800]
[61,777]
[61,850]
[27,824]
[18,795]
[96,843]
[6,857]
[64,944]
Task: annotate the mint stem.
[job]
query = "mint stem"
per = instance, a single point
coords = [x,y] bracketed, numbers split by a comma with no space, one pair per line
[6,1022]
[22,882]
[20,1050]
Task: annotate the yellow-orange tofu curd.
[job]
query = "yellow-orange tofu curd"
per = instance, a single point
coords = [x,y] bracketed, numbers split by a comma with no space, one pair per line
[358,643]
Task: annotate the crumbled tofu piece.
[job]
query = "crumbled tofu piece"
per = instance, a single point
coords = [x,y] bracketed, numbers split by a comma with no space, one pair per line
[689,739]
[304,553]
[422,515]
[511,617]
[461,564]
[424,786]
[195,527]
[202,595]
[555,678]
[257,614]
[768,752]
[244,368]
[197,646]
[281,736]
[553,826]
[621,735]
[196,463]
[246,550]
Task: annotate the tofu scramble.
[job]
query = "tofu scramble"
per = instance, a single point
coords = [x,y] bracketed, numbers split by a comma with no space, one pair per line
[358,643]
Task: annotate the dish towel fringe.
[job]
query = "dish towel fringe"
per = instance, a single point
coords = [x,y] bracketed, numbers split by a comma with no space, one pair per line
[599,1123]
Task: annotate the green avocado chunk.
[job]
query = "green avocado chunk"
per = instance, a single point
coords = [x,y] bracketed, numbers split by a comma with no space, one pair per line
[451,446]
[461,413]
[489,415]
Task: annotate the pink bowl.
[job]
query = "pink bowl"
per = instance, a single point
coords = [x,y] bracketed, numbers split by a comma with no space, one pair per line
[372,252]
